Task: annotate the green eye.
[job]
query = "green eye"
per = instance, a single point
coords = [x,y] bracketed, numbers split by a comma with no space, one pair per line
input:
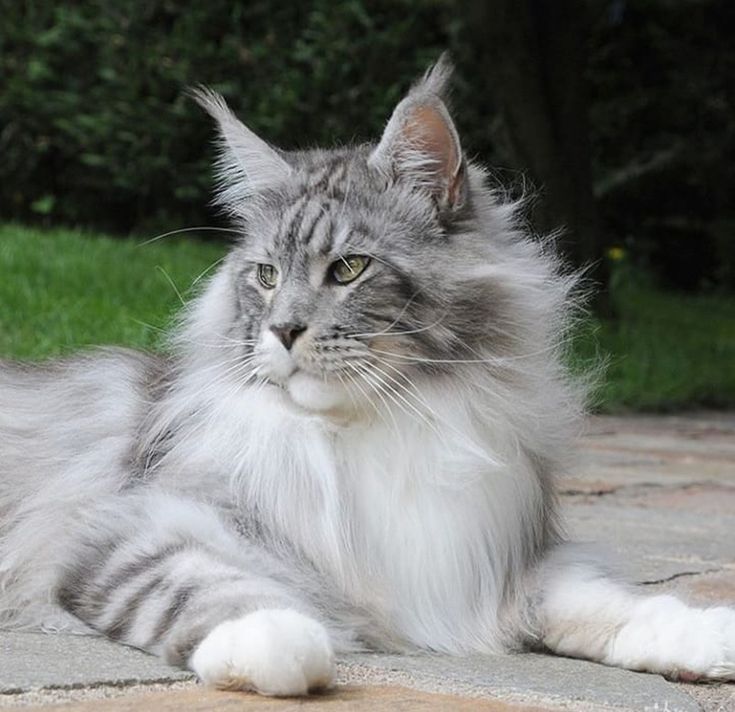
[267,276]
[349,268]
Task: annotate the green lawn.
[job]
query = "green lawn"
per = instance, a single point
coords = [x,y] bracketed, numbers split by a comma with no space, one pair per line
[665,351]
[61,290]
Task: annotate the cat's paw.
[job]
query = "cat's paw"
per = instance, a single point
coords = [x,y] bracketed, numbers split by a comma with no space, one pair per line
[720,626]
[274,652]
[668,637]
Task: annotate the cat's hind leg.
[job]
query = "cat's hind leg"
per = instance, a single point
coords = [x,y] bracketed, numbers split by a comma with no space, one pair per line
[170,576]
[581,611]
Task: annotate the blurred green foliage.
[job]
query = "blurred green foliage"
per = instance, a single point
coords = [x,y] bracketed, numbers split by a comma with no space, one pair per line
[96,129]
[664,351]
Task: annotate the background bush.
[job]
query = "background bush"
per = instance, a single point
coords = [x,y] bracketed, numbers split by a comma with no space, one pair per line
[96,131]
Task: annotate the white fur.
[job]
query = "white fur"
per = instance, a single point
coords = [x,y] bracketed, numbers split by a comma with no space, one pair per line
[316,482]
[274,652]
[665,635]
[587,614]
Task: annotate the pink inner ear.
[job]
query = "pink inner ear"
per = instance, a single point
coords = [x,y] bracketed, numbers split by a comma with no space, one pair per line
[427,131]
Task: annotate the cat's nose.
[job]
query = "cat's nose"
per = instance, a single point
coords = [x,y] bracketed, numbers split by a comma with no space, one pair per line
[288,333]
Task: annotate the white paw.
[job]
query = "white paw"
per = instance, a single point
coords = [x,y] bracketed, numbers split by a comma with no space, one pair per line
[274,652]
[667,636]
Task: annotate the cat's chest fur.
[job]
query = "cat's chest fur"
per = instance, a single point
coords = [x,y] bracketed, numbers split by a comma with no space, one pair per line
[415,520]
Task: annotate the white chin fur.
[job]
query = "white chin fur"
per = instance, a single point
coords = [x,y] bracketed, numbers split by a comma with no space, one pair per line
[313,393]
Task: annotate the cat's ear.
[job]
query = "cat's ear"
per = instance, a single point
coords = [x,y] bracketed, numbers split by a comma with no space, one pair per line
[246,164]
[421,144]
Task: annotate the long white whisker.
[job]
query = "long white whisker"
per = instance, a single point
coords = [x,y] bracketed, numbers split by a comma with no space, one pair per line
[394,394]
[413,391]
[187,229]
[385,332]
[421,359]
[172,283]
[355,381]
[199,277]
[377,392]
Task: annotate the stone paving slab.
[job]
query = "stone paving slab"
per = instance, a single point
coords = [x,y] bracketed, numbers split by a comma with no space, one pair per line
[36,660]
[529,679]
[653,545]
[347,699]
[58,662]
[658,492]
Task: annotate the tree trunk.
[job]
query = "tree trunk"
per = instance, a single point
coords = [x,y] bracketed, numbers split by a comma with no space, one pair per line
[532,58]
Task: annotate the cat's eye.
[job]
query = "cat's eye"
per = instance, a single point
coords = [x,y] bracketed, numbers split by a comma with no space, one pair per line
[349,268]
[267,276]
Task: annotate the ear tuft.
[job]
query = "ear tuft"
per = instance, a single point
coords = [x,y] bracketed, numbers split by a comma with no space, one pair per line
[436,79]
[246,164]
[420,143]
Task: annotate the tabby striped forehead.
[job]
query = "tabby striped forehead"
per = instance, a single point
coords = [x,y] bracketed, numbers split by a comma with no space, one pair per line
[309,223]
[323,212]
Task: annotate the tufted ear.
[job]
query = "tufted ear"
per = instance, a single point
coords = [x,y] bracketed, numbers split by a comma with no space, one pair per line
[246,164]
[421,144]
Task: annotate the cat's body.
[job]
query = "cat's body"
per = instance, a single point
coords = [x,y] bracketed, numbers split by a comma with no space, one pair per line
[333,457]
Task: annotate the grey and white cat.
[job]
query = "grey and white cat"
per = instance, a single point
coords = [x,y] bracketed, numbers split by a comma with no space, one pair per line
[353,444]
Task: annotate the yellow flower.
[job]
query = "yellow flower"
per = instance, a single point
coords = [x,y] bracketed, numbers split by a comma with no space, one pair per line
[616,253]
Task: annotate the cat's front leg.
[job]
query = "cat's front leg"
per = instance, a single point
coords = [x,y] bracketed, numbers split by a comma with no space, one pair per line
[171,579]
[580,611]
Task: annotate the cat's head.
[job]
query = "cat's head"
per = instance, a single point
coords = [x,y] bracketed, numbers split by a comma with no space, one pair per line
[361,270]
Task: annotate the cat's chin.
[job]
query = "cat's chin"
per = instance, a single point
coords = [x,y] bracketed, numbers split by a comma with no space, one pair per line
[315,394]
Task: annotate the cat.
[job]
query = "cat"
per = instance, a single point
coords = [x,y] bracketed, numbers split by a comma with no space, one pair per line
[351,444]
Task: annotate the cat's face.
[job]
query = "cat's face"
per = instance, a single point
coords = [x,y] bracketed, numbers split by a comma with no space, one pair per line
[353,274]
[337,281]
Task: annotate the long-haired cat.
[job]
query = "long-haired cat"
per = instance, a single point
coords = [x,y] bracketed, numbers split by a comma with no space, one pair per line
[352,444]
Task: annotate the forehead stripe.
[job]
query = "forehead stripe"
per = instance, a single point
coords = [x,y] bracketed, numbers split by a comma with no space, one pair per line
[336,176]
[318,180]
[290,231]
[307,233]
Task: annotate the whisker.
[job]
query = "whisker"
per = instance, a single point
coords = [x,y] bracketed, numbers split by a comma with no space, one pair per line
[201,275]
[392,393]
[147,325]
[187,229]
[378,392]
[385,332]
[341,379]
[172,283]
[354,380]
[422,359]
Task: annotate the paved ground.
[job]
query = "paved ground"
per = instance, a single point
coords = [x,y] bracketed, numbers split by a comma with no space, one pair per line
[660,491]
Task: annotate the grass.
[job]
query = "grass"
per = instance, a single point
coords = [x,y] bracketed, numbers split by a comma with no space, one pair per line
[62,290]
[664,351]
